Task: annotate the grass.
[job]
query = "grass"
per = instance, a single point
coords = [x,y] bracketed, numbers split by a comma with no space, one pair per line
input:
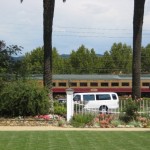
[74,140]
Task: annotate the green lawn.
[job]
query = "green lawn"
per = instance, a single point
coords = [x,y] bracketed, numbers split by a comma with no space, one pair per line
[74,140]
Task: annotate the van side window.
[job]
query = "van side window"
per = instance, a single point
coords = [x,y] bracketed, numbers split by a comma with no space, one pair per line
[77,98]
[114,96]
[103,97]
[88,97]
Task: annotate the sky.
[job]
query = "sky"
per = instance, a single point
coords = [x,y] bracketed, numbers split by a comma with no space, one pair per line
[96,24]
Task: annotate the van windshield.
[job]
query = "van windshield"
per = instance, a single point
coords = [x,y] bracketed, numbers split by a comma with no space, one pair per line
[103,97]
[88,97]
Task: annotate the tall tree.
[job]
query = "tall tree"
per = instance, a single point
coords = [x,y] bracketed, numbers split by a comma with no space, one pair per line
[137,39]
[48,15]
[119,53]
[83,61]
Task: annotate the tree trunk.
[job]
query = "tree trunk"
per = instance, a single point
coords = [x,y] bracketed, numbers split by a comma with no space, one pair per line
[48,15]
[137,39]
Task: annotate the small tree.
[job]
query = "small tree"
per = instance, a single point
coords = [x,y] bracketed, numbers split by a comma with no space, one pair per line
[6,60]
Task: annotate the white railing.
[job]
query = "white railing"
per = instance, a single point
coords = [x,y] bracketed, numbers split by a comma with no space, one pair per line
[143,108]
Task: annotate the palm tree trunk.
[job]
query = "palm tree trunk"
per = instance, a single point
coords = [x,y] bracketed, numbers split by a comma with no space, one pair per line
[137,39]
[48,15]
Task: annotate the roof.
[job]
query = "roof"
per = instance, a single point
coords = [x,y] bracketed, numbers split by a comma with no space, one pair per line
[91,77]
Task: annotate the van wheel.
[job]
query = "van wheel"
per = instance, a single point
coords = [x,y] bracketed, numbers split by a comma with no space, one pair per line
[103,109]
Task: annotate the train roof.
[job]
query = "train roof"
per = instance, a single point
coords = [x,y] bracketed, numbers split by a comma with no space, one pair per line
[91,77]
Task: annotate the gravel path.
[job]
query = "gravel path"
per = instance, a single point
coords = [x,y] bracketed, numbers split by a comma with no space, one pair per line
[51,128]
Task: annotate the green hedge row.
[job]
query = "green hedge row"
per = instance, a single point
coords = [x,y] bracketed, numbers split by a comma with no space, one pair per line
[20,98]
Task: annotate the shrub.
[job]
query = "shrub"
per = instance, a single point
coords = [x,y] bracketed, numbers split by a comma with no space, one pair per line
[135,123]
[131,109]
[116,123]
[105,120]
[23,98]
[81,120]
[60,108]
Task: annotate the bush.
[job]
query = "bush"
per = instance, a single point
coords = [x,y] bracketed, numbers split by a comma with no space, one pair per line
[135,123]
[60,108]
[130,110]
[81,120]
[116,122]
[24,99]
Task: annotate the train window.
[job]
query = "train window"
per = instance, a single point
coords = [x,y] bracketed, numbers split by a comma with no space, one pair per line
[114,84]
[73,84]
[62,84]
[145,84]
[104,84]
[125,83]
[83,84]
[93,84]
[54,84]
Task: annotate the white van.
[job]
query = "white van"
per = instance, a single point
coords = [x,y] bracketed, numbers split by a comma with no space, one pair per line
[103,101]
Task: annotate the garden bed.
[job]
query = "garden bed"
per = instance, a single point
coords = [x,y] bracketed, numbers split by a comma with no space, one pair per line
[79,120]
[42,120]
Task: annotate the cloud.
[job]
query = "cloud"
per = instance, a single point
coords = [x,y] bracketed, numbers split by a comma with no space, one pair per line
[95,23]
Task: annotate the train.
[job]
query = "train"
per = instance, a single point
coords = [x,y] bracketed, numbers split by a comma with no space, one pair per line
[121,84]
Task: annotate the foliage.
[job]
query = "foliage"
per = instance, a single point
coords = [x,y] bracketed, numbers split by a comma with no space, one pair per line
[107,65]
[83,61]
[81,120]
[118,59]
[145,59]
[145,121]
[34,61]
[116,122]
[131,111]
[60,108]
[105,120]
[24,99]
[7,63]
[57,62]
[135,123]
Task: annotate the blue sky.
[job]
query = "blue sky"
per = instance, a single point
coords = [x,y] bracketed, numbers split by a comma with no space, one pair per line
[95,23]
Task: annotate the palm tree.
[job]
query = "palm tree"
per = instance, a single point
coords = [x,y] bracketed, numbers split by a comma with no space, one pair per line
[48,15]
[137,38]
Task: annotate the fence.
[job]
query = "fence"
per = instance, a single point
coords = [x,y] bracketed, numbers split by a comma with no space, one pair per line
[142,105]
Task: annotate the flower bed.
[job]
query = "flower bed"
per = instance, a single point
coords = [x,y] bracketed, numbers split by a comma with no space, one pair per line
[99,121]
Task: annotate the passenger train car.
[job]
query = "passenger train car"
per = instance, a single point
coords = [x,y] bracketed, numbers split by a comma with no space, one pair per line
[121,84]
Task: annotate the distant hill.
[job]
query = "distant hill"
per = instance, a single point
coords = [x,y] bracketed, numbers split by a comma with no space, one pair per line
[62,55]
[100,55]
[19,58]
[67,55]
